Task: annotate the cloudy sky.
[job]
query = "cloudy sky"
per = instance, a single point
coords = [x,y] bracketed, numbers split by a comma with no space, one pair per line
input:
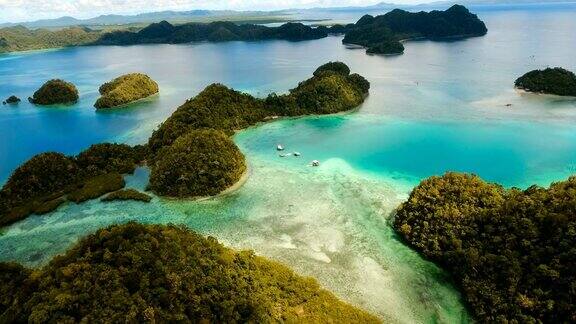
[25,10]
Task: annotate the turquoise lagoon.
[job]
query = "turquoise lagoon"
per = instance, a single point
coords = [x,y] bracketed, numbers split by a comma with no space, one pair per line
[438,107]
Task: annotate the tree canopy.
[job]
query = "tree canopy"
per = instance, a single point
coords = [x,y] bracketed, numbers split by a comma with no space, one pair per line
[557,81]
[158,273]
[126,89]
[47,180]
[513,252]
[382,34]
[55,92]
[200,163]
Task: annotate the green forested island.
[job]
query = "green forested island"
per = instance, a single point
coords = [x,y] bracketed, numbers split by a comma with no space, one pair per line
[157,273]
[49,179]
[513,252]
[164,32]
[556,81]
[200,163]
[55,92]
[383,34]
[125,90]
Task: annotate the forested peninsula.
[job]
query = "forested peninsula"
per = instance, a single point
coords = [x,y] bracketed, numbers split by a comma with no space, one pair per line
[383,34]
[137,273]
[511,251]
[190,155]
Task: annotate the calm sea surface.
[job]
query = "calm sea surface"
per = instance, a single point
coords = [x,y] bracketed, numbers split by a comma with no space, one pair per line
[441,106]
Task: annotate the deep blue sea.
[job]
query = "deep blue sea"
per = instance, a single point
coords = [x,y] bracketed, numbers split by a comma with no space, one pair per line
[442,106]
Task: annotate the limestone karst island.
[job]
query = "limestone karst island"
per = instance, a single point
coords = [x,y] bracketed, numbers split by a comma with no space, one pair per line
[288,161]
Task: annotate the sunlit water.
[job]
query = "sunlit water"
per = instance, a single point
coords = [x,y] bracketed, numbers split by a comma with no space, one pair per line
[438,107]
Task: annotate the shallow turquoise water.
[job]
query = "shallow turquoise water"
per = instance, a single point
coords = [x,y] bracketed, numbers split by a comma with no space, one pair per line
[438,107]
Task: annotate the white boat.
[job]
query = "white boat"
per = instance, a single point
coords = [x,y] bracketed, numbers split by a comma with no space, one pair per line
[280,148]
[315,163]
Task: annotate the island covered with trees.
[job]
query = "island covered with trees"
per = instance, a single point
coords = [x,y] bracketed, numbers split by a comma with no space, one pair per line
[20,38]
[556,81]
[383,34]
[512,251]
[165,32]
[157,273]
[125,90]
[331,89]
[55,92]
[49,179]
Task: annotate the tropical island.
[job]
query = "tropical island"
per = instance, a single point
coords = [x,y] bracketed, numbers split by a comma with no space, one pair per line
[12,100]
[511,251]
[159,273]
[191,154]
[55,92]
[48,180]
[555,81]
[125,90]
[384,34]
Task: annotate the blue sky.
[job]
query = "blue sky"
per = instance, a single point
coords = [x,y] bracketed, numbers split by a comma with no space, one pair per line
[25,10]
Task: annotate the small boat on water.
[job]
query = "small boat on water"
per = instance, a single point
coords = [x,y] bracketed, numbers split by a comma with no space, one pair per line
[280,147]
[315,163]
[296,153]
[284,155]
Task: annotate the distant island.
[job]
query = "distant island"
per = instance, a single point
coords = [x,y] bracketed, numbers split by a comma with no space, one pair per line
[55,92]
[556,81]
[164,32]
[164,274]
[383,34]
[19,38]
[125,90]
[511,251]
[380,35]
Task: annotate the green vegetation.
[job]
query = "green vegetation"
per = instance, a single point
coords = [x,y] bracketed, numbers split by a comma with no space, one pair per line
[164,32]
[179,171]
[39,185]
[337,67]
[511,251]
[55,92]
[156,273]
[20,38]
[557,81]
[224,109]
[97,186]
[200,163]
[127,194]
[12,100]
[126,89]
[382,34]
